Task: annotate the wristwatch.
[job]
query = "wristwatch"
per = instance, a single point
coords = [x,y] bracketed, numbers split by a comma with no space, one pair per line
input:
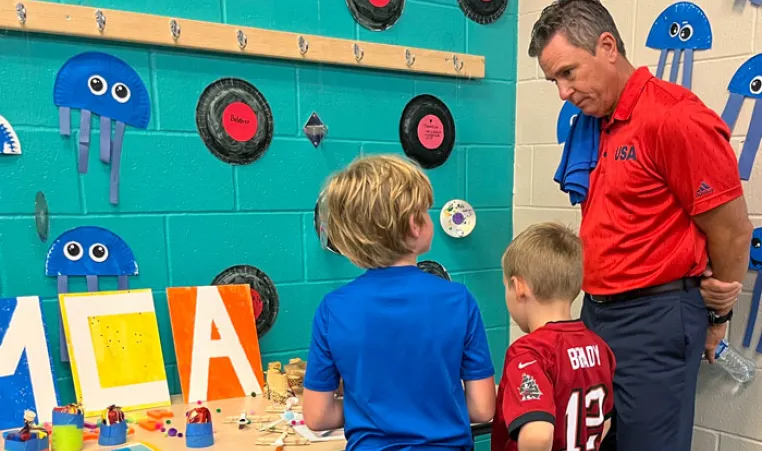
[715,319]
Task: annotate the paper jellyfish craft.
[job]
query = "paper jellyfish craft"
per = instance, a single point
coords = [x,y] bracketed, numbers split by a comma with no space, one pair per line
[682,27]
[101,84]
[746,82]
[756,2]
[9,141]
[566,117]
[89,252]
[755,264]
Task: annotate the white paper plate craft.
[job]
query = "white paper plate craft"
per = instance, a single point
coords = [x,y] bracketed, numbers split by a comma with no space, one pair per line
[9,142]
[457,218]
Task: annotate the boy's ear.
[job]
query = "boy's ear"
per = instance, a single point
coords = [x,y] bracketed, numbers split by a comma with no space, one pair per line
[415,228]
[520,287]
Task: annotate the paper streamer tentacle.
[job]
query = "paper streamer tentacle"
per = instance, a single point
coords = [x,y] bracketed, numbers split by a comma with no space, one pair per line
[105,139]
[751,145]
[63,287]
[732,109]
[64,120]
[92,283]
[675,65]
[84,140]
[688,68]
[116,158]
[662,63]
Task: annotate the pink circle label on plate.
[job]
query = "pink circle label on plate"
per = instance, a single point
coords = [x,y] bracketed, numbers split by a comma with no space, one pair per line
[240,121]
[379,3]
[431,132]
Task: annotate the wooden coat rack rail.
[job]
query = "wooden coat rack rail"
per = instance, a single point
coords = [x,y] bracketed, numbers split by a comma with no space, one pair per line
[115,25]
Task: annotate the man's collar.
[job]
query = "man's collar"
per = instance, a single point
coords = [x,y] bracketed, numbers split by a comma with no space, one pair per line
[630,94]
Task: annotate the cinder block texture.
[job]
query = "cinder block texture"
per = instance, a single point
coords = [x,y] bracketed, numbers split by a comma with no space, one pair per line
[188,216]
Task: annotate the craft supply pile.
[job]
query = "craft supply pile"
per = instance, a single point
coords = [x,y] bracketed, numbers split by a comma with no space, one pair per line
[279,423]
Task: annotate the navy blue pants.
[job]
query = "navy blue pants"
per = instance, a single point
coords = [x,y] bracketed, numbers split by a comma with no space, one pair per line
[658,342]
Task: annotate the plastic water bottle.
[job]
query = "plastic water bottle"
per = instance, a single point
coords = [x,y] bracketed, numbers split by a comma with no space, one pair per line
[739,367]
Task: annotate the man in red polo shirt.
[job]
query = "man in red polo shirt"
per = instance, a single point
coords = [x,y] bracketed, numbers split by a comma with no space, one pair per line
[664,228]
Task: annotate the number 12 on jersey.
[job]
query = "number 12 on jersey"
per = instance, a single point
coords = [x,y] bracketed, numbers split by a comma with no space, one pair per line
[585,413]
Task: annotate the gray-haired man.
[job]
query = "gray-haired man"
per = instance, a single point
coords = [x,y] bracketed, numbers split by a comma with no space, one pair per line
[663,199]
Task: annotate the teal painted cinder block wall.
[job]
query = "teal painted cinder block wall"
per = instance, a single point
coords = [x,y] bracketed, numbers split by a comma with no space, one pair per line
[188,216]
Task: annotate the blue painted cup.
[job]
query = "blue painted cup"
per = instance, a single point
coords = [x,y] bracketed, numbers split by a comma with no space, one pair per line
[112,434]
[199,435]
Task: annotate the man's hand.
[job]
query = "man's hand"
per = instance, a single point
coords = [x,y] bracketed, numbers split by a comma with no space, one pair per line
[714,335]
[718,295]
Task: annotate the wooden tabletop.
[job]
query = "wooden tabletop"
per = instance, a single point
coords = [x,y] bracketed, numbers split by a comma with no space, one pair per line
[226,436]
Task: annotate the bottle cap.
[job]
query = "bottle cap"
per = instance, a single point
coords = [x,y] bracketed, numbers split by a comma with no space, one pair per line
[721,348]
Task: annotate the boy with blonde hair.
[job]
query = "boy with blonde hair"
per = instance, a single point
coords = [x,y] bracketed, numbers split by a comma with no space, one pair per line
[406,344]
[556,392]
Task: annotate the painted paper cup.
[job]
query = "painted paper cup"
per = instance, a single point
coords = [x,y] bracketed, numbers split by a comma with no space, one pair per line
[68,431]
[36,443]
[199,435]
[112,434]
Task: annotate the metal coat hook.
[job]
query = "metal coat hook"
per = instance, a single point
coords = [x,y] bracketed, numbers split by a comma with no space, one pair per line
[100,19]
[457,63]
[21,13]
[409,58]
[303,45]
[359,52]
[242,39]
[174,28]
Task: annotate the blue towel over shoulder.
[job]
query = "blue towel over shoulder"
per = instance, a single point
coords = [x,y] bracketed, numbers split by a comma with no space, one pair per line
[579,157]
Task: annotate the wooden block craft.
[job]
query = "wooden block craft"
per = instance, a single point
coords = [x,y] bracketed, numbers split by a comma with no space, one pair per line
[26,371]
[113,341]
[216,342]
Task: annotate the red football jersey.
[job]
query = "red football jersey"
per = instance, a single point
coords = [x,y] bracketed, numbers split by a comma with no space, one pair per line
[561,373]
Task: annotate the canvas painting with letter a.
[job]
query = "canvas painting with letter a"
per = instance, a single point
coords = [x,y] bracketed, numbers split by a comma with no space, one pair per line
[216,342]
[115,350]
[27,381]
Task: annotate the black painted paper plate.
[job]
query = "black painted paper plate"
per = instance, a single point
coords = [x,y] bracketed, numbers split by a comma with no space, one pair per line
[432,267]
[325,242]
[376,15]
[483,11]
[41,216]
[235,121]
[259,283]
[427,131]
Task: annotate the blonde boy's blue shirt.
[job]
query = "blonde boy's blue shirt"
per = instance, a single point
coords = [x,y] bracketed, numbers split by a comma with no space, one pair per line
[402,340]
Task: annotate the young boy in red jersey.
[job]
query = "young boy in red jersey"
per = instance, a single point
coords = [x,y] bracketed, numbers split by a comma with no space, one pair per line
[556,392]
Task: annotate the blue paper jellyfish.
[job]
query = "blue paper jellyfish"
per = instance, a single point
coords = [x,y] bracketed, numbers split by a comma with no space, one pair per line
[756,2]
[746,82]
[102,84]
[89,252]
[566,116]
[682,27]
[755,264]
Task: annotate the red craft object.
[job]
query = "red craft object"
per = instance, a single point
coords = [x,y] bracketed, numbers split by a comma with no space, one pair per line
[25,434]
[114,415]
[198,415]
[72,408]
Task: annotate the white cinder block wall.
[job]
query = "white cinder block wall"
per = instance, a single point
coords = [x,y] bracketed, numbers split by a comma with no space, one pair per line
[728,417]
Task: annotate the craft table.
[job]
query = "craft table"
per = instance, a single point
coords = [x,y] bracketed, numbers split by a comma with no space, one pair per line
[226,436]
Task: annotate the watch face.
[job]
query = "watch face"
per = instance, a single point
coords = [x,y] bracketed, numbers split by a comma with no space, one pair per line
[714,318]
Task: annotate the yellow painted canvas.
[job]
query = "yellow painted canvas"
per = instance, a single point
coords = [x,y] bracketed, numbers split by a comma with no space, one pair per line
[124,350]
[115,350]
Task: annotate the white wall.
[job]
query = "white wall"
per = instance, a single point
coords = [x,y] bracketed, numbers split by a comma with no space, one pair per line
[728,417]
